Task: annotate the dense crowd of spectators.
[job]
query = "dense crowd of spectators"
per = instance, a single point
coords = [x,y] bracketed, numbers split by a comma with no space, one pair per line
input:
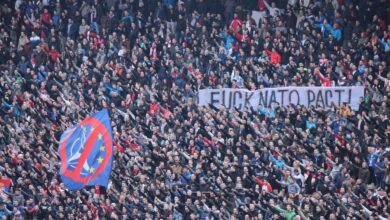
[145,60]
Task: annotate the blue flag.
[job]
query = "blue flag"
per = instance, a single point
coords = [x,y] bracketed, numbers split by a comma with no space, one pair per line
[86,152]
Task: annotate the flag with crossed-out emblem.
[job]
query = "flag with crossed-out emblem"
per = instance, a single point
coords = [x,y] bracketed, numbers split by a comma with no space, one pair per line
[86,152]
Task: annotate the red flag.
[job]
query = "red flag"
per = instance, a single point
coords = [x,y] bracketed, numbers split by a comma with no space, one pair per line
[5,184]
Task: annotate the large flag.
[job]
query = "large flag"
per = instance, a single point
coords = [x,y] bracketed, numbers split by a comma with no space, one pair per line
[86,152]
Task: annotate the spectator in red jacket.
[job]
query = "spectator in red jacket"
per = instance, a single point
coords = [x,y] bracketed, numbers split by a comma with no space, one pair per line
[325,81]
[46,17]
[265,185]
[274,56]
[236,23]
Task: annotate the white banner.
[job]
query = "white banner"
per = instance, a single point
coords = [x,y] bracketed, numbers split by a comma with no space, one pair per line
[304,96]
[258,16]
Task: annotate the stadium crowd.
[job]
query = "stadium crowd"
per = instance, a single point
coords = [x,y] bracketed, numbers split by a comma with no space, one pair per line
[62,60]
